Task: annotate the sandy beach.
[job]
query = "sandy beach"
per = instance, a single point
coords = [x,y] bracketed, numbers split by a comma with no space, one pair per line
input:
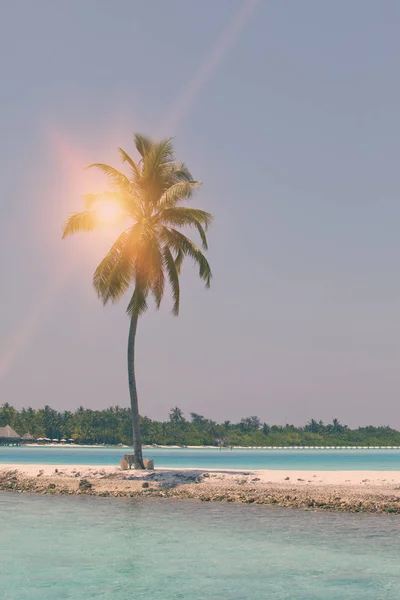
[354,491]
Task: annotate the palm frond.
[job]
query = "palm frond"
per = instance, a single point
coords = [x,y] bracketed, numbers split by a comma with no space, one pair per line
[202,235]
[119,280]
[138,303]
[183,216]
[143,144]
[121,276]
[161,154]
[157,272]
[173,276]
[187,217]
[126,158]
[81,221]
[117,178]
[149,265]
[177,193]
[179,242]
[180,172]
[178,260]
[172,172]
[114,274]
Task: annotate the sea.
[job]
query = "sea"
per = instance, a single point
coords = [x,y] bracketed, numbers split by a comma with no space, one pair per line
[303,460]
[81,548]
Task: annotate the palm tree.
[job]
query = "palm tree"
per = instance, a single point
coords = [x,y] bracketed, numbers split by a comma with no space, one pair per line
[311,426]
[151,249]
[176,416]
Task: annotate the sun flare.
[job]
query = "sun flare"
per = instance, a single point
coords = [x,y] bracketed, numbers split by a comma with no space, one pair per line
[108,212]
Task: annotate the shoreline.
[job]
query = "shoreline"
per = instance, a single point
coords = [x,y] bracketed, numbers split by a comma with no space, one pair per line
[348,491]
[224,448]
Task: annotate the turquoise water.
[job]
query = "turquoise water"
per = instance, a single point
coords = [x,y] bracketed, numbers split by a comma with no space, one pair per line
[123,549]
[329,460]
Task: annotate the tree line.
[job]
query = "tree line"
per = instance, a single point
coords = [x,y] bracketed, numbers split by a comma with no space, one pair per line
[114,426]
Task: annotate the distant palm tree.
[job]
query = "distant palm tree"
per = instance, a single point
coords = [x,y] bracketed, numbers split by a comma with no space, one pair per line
[312,426]
[336,426]
[176,415]
[150,251]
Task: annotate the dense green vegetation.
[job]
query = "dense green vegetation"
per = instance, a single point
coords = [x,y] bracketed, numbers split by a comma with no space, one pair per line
[113,426]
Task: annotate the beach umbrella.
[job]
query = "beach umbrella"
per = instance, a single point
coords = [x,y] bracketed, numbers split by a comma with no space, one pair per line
[55,440]
[71,440]
[63,440]
[46,439]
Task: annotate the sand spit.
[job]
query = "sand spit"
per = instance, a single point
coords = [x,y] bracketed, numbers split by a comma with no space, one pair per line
[352,491]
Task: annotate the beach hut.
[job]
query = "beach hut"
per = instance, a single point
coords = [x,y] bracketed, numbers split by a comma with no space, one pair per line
[9,437]
[27,438]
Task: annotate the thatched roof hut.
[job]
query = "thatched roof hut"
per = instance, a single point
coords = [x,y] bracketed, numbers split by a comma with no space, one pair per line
[9,436]
[27,437]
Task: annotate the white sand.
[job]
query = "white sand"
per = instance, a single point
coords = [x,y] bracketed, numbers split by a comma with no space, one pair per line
[348,478]
[354,491]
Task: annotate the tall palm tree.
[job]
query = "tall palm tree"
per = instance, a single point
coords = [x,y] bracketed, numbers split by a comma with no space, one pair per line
[151,249]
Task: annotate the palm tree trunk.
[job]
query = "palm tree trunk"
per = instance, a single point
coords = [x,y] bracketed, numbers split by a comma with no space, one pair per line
[137,443]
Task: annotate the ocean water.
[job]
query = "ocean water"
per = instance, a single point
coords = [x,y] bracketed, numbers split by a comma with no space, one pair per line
[325,460]
[81,548]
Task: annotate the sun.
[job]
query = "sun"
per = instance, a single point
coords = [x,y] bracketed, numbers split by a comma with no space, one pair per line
[108,212]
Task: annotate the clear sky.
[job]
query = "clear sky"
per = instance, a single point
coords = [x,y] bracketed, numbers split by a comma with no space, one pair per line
[289,114]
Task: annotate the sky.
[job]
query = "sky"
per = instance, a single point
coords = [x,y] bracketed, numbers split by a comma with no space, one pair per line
[289,114]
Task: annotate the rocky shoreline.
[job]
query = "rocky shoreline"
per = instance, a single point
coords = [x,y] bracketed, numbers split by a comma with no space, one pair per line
[368,496]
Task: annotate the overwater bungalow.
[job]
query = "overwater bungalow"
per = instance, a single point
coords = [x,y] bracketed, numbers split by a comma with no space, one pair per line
[27,438]
[9,437]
